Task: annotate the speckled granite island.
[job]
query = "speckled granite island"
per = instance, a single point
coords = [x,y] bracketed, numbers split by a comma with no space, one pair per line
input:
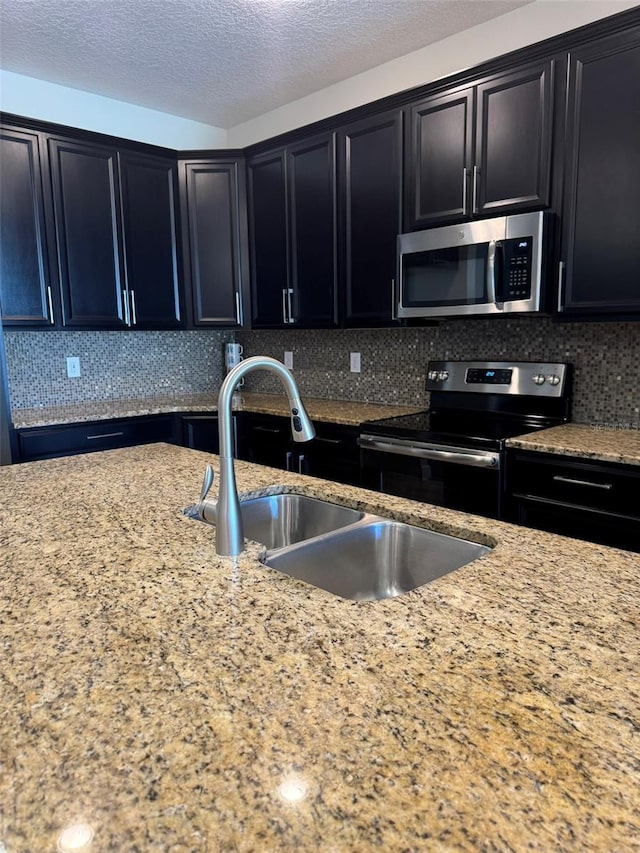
[155,697]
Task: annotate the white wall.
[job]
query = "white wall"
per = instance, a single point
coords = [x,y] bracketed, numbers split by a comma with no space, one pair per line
[526,25]
[32,98]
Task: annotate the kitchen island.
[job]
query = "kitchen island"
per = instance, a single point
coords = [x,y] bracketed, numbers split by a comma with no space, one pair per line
[156,697]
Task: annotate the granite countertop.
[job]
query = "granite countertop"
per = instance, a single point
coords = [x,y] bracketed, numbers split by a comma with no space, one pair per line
[346,412]
[589,442]
[161,698]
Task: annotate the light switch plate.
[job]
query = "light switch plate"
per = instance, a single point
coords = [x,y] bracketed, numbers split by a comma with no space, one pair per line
[288,359]
[354,361]
[73,366]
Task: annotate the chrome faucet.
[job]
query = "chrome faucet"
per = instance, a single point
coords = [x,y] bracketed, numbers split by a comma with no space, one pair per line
[229,537]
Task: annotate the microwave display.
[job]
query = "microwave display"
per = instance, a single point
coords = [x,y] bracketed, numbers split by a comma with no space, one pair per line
[517,268]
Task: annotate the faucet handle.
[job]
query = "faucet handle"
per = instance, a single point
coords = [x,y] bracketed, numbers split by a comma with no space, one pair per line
[207,482]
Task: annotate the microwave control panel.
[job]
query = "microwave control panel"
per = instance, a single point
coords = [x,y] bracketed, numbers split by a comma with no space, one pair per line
[517,268]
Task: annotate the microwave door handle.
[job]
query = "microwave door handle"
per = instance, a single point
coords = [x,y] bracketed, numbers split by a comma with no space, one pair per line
[498,270]
[491,272]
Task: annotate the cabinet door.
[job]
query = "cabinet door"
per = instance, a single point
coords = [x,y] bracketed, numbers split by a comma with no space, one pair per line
[370,157]
[267,440]
[25,287]
[87,221]
[311,176]
[213,242]
[200,432]
[333,454]
[268,241]
[601,225]
[439,160]
[148,186]
[513,141]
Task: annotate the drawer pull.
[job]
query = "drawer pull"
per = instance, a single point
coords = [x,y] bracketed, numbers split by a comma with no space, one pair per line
[560,479]
[266,429]
[329,440]
[105,435]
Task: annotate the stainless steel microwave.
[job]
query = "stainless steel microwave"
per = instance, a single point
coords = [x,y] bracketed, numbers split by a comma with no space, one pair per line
[492,266]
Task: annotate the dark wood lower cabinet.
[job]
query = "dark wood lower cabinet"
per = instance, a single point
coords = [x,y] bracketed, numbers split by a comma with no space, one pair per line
[575,497]
[333,454]
[70,439]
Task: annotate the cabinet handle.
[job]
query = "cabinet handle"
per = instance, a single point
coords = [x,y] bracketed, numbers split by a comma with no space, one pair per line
[238,310]
[393,299]
[285,318]
[132,294]
[329,440]
[560,283]
[465,174]
[289,294]
[475,189]
[50,304]
[560,479]
[125,303]
[105,435]
[266,429]
[300,463]
[289,462]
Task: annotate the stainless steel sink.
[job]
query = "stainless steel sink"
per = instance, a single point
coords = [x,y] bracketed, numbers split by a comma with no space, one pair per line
[377,558]
[350,553]
[280,520]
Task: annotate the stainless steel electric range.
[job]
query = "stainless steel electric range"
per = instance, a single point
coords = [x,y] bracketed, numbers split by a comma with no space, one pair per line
[453,454]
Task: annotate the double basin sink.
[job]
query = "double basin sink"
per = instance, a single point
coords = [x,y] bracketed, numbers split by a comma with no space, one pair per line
[346,551]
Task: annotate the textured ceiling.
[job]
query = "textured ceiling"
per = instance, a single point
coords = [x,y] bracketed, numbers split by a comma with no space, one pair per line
[221,61]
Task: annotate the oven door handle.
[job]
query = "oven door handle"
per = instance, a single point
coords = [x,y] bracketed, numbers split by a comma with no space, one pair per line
[435,452]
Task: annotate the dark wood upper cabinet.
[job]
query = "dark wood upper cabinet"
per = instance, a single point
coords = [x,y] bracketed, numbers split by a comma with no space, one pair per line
[311,167]
[25,285]
[370,192]
[440,159]
[212,242]
[268,239]
[601,219]
[513,140]
[87,217]
[292,232]
[482,150]
[149,190]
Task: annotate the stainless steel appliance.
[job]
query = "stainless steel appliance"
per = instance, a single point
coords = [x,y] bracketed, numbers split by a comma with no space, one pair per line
[453,454]
[492,266]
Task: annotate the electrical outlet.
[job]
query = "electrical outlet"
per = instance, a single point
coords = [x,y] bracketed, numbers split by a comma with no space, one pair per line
[73,367]
[354,361]
[288,359]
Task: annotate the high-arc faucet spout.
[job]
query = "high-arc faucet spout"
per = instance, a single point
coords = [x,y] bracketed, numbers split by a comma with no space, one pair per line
[229,537]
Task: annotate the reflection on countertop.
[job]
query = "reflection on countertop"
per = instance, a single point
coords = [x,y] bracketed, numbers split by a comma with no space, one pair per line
[596,442]
[347,412]
[158,697]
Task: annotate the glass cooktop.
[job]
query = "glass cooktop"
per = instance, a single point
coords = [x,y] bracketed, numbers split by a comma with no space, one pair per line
[461,429]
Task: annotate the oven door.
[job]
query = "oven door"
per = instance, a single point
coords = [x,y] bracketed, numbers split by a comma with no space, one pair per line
[453,477]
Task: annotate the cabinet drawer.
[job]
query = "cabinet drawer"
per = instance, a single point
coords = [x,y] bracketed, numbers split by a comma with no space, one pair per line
[580,483]
[46,442]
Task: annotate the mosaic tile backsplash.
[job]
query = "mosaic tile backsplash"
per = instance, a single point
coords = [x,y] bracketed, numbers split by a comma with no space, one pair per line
[117,365]
[605,358]
[113,365]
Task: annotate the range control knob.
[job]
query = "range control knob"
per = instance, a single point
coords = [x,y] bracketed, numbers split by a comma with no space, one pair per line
[553,379]
[538,378]
[433,375]
[443,375]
